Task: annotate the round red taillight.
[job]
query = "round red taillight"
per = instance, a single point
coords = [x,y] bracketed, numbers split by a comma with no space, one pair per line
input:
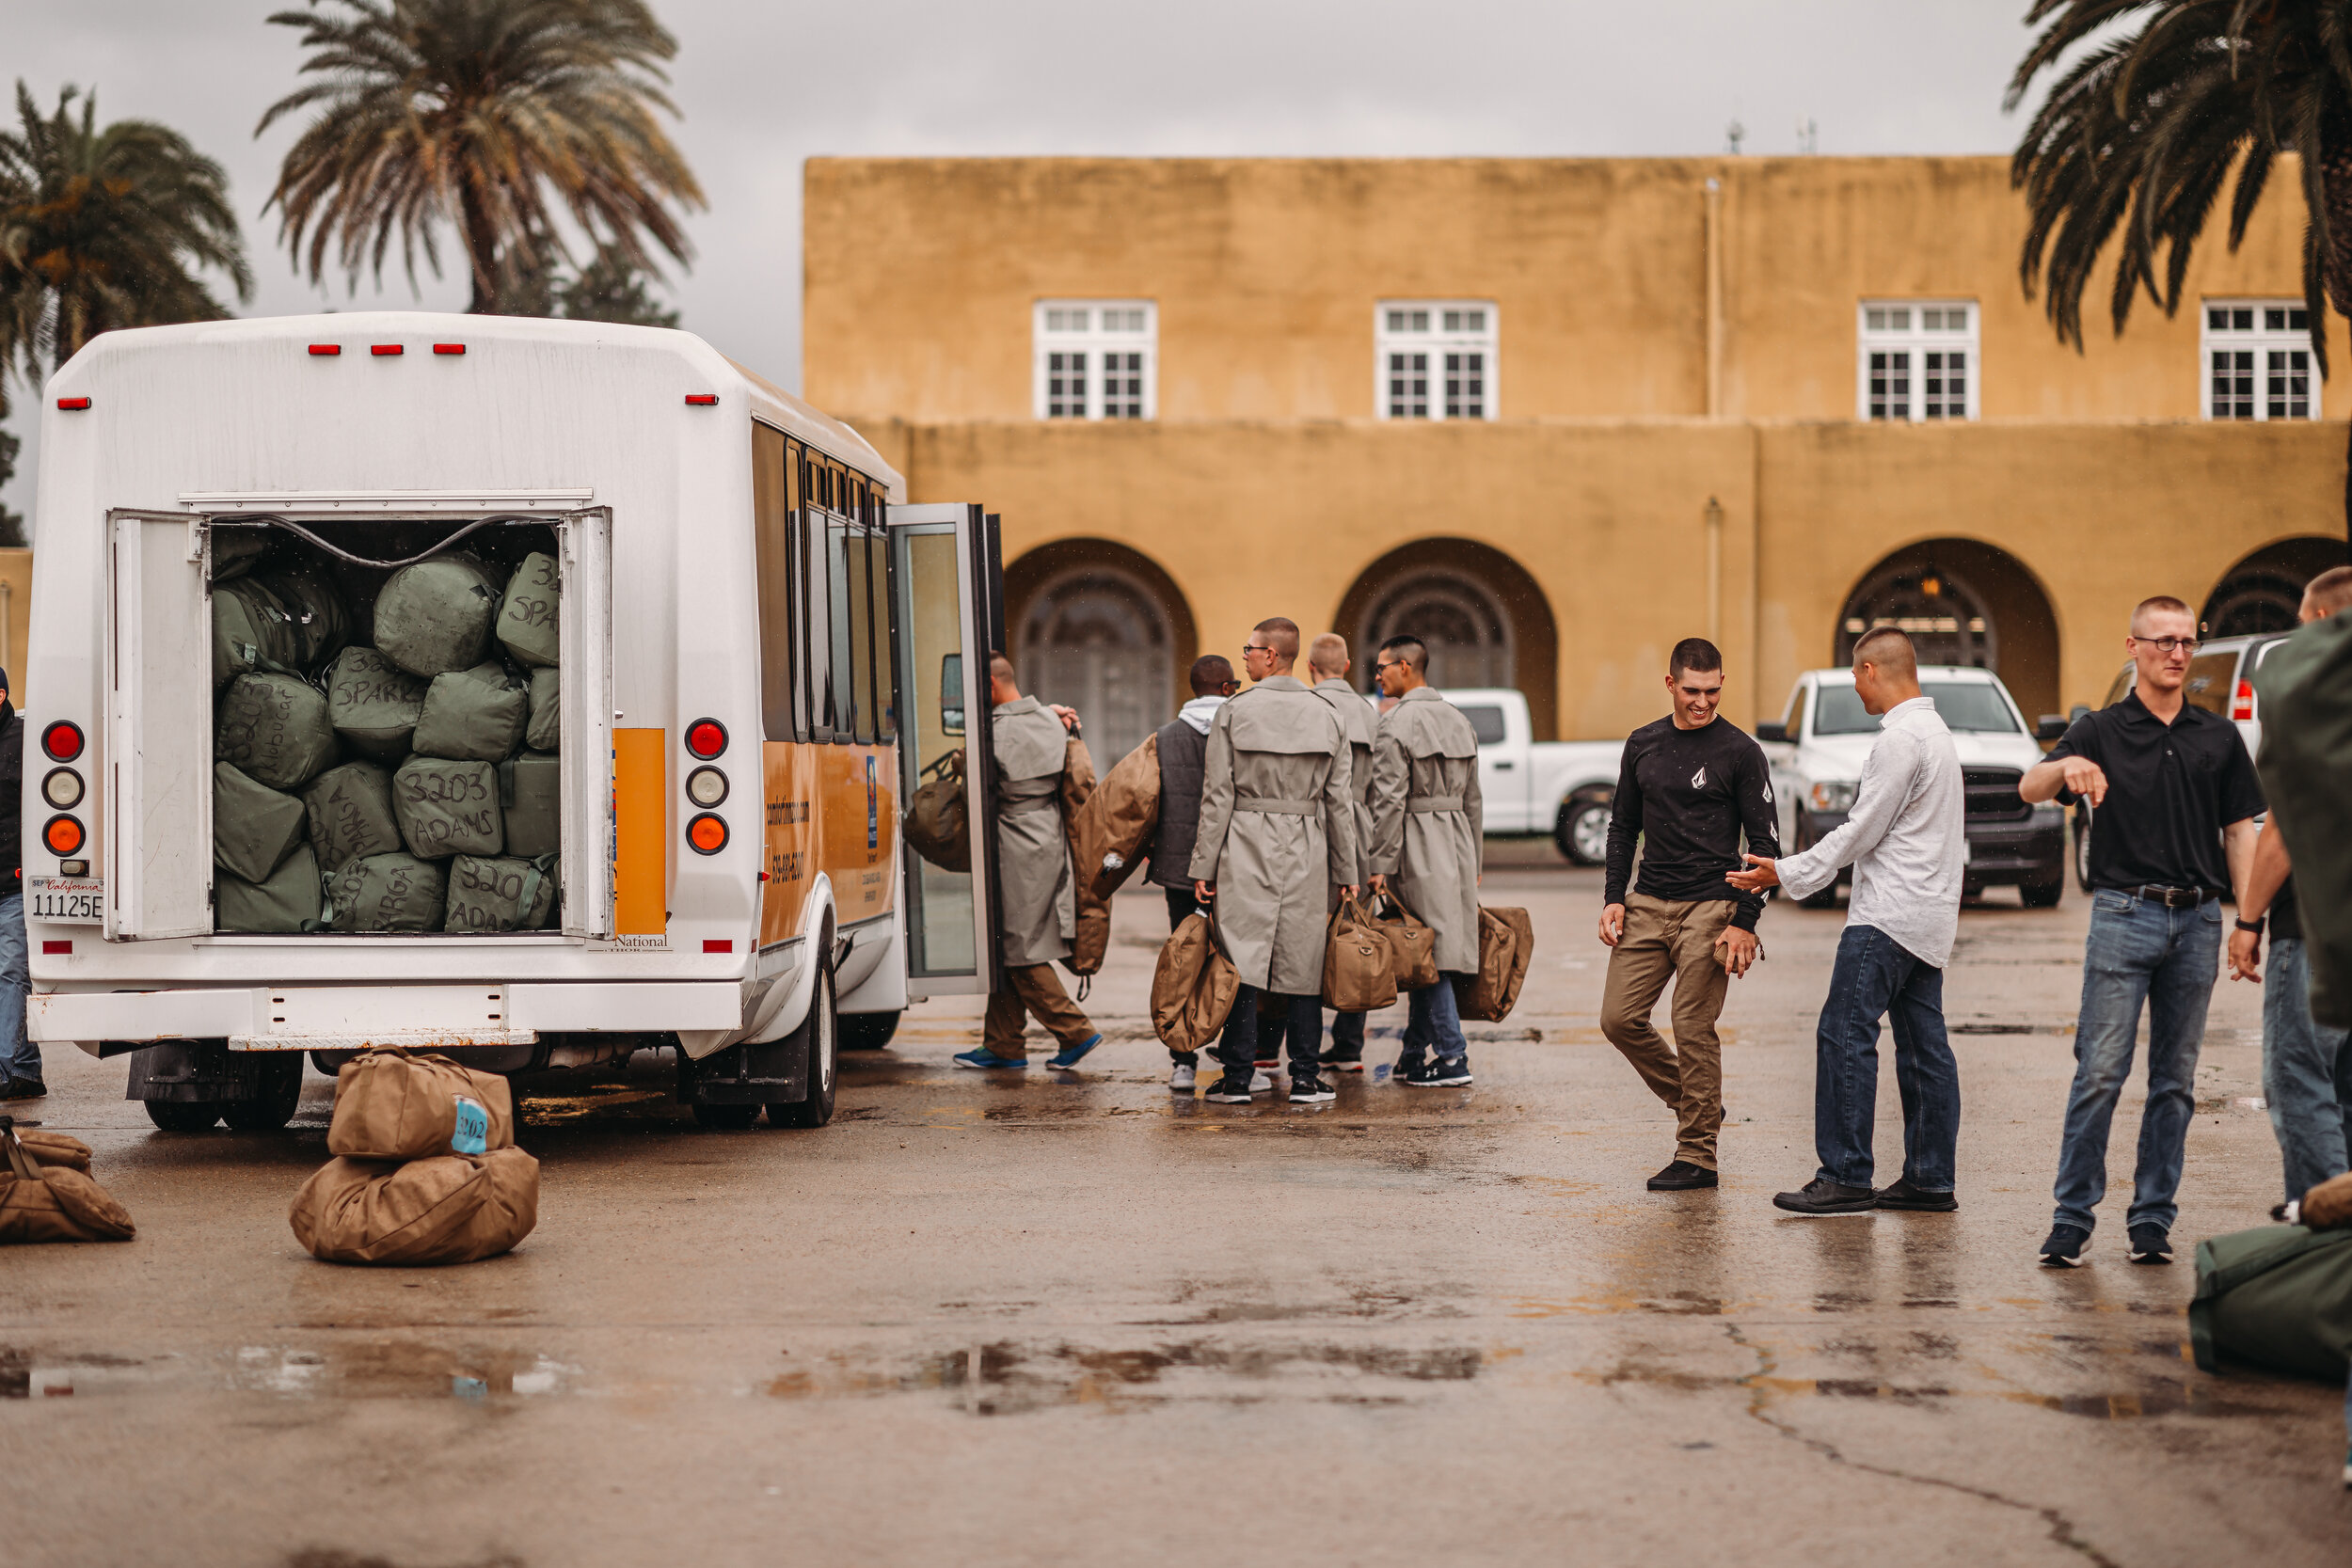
[707,834]
[705,738]
[62,740]
[63,835]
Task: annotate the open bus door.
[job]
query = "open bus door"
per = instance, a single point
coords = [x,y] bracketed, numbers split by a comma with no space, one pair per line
[946,582]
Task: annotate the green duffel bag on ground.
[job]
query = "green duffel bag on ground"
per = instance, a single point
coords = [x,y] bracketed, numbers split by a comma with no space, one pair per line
[501,893]
[254,827]
[290,899]
[448,808]
[2279,1296]
[373,703]
[387,892]
[528,618]
[435,615]
[546,705]
[475,715]
[350,810]
[530,800]
[251,631]
[2305,684]
[275,728]
[317,619]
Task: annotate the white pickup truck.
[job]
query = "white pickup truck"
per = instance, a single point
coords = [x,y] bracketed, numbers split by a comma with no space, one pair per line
[1562,787]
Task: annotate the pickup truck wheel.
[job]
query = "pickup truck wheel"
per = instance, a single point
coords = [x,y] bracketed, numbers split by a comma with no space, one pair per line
[1582,830]
[2043,895]
[2081,833]
[182,1116]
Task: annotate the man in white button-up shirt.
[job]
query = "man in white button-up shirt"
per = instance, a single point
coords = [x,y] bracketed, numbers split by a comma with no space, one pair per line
[1907,840]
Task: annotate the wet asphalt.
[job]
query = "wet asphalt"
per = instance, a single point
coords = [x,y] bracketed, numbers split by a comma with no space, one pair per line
[1064,1318]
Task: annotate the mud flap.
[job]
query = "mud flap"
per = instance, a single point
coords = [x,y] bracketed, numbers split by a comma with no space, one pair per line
[204,1073]
[748,1074]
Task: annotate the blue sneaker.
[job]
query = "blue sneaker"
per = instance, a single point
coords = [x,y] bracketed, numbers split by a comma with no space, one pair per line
[984,1057]
[1072,1054]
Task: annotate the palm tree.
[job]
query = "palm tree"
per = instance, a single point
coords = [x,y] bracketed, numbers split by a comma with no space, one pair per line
[473,112]
[102,229]
[2143,130]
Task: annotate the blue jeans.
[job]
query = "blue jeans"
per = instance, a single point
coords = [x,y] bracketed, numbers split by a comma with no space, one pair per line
[2137,952]
[1876,977]
[1432,1021]
[2306,1072]
[19,1056]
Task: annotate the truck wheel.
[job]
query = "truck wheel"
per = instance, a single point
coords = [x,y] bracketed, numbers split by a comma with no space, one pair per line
[868,1031]
[277,1094]
[824,1048]
[182,1116]
[726,1118]
[2043,895]
[1582,831]
[2081,834]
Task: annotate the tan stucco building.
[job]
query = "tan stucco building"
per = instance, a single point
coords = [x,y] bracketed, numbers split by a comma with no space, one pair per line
[1558,413]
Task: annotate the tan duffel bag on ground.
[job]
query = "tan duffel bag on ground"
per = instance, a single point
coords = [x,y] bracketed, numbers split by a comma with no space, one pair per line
[390,1104]
[1358,966]
[938,823]
[451,1209]
[1506,939]
[1193,986]
[42,1202]
[54,1150]
[1411,941]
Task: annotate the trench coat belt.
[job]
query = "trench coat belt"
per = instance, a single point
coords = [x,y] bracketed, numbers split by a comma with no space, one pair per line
[1433,803]
[1280,808]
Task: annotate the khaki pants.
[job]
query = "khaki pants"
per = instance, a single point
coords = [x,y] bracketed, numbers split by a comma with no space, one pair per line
[1035,990]
[1673,939]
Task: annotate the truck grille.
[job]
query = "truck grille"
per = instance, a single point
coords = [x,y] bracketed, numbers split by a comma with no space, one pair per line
[1992,794]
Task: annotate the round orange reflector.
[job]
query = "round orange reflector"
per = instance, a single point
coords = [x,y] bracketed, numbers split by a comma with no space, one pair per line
[707,833]
[705,738]
[62,740]
[63,835]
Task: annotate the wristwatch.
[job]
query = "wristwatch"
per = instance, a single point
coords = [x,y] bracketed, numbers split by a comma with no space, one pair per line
[2253,925]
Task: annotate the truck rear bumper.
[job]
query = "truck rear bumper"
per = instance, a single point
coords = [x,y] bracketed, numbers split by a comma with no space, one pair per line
[328,1018]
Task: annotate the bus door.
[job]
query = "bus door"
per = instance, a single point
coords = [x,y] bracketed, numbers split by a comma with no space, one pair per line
[944,582]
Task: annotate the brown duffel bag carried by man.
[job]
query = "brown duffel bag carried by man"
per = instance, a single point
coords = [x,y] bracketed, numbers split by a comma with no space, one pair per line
[449,1209]
[1091,936]
[1109,837]
[43,1202]
[1193,986]
[1506,939]
[1359,964]
[1411,941]
[390,1104]
[938,823]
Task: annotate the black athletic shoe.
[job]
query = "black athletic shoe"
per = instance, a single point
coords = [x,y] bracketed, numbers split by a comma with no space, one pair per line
[1334,1062]
[1441,1074]
[1681,1176]
[2151,1243]
[2064,1249]
[24,1088]
[1310,1091]
[1228,1090]
[1903,1195]
[1821,1195]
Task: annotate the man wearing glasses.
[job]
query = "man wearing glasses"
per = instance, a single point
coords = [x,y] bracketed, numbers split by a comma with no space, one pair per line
[2176,797]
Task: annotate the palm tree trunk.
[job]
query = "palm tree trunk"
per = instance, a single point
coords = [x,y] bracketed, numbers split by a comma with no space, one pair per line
[482,254]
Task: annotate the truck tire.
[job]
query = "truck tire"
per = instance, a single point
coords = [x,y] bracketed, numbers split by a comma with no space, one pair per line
[823,1028]
[2043,895]
[2080,836]
[279,1094]
[1582,830]
[182,1116]
[868,1031]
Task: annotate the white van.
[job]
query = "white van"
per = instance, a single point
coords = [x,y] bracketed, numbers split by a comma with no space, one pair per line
[759,651]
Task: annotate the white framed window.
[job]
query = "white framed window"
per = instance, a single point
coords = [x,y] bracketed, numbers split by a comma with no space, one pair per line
[1096,358]
[2256,356]
[1435,358]
[1916,359]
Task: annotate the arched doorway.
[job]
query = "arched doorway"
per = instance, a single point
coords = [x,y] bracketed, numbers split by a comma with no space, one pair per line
[1486,621]
[2263,591]
[1966,603]
[1100,628]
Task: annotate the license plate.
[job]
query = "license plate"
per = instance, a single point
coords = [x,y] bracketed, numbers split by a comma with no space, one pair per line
[66,901]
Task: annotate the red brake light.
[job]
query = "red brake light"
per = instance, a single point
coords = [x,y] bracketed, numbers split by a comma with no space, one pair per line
[62,740]
[63,835]
[702,400]
[448,348]
[326,351]
[2242,702]
[383,351]
[84,402]
[705,738]
[718,945]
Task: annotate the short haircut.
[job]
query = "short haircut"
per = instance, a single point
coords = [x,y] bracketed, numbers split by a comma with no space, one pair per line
[2162,604]
[1000,669]
[1211,674]
[1696,653]
[1412,652]
[1327,655]
[1889,648]
[2329,593]
[1281,635]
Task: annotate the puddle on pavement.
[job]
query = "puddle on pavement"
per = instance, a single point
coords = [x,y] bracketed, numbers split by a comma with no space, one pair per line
[389,1369]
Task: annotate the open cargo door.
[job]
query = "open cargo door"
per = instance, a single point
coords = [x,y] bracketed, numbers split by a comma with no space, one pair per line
[943,582]
[586,749]
[157,853]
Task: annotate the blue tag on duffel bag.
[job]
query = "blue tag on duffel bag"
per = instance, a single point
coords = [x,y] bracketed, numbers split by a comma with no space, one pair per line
[472,1136]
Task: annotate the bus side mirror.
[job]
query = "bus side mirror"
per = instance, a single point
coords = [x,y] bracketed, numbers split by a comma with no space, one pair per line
[951,693]
[1772,729]
[2053,727]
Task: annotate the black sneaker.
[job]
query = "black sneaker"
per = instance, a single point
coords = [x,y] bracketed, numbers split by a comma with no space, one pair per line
[1903,1195]
[1821,1195]
[2151,1243]
[1228,1090]
[2064,1249]
[1681,1176]
[24,1088]
[1334,1062]
[1310,1091]
[1439,1075]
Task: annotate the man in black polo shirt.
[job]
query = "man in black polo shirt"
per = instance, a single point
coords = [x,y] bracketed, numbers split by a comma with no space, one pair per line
[2176,800]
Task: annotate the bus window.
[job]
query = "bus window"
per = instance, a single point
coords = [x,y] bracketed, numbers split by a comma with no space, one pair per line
[772,552]
[814,644]
[878,595]
[852,657]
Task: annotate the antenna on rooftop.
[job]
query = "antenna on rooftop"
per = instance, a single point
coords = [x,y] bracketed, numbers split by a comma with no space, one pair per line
[1734,134]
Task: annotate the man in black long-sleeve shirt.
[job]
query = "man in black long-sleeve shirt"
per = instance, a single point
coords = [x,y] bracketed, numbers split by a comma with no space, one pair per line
[1691,785]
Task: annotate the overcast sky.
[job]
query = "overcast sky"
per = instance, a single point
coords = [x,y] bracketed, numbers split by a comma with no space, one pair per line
[766,85]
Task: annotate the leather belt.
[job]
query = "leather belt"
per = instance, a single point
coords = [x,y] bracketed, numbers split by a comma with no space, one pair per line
[1433,803]
[1280,808]
[2170,897]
